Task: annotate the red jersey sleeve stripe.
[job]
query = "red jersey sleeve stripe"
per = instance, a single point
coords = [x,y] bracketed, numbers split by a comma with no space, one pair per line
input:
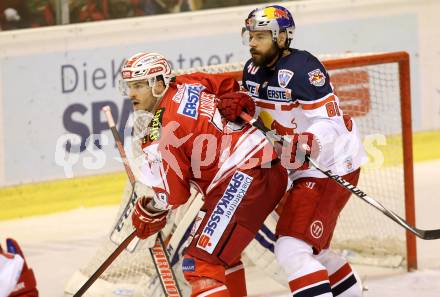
[317,104]
[284,107]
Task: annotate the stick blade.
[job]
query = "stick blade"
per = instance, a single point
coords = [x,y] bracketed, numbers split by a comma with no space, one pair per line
[431,234]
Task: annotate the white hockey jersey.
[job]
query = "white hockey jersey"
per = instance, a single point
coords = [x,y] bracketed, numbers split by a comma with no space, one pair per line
[296,96]
[10,270]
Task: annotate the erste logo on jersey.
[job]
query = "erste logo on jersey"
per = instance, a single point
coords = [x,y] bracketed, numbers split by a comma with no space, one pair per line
[253,87]
[279,94]
[317,78]
[284,77]
[189,104]
[223,211]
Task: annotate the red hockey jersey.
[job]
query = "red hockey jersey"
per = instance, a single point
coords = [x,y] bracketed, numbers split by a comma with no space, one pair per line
[189,142]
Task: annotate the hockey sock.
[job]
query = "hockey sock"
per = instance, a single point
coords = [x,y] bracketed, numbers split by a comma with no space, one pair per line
[342,278]
[307,277]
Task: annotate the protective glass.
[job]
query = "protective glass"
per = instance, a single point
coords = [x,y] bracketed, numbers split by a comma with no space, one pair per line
[245,36]
[125,86]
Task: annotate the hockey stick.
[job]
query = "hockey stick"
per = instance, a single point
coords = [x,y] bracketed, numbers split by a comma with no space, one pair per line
[161,262]
[179,238]
[133,197]
[276,139]
[104,265]
[158,251]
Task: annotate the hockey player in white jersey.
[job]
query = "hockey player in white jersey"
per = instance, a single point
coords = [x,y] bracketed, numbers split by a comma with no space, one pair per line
[293,95]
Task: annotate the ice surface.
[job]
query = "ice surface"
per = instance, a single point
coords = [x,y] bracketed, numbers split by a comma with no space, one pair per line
[57,245]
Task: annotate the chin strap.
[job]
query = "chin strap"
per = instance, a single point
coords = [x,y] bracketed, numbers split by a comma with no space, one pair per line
[158,98]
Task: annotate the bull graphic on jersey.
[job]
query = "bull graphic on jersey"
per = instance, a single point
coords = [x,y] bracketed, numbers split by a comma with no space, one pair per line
[317,78]
[284,77]
[272,124]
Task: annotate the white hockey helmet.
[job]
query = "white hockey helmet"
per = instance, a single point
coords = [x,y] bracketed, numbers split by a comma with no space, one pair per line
[274,18]
[145,66]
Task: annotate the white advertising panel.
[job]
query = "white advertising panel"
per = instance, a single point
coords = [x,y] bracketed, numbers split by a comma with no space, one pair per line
[54,81]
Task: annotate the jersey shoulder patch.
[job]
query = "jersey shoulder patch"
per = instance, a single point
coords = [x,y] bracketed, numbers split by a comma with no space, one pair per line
[310,80]
[284,77]
[316,77]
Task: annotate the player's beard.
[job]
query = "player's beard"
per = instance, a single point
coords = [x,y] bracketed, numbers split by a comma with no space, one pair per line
[260,59]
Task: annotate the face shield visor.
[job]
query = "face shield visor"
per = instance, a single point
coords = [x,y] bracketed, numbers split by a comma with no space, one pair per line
[125,86]
[245,31]
[245,36]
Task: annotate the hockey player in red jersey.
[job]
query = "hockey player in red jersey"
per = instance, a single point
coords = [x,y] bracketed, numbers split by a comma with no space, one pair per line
[16,278]
[189,142]
[293,96]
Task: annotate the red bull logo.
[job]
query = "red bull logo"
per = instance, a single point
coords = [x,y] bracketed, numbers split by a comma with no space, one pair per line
[316,78]
[279,13]
[275,13]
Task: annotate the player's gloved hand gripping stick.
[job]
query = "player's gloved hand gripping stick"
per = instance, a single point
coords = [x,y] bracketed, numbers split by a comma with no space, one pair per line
[277,141]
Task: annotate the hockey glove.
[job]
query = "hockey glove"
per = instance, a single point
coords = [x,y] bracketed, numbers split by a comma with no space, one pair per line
[145,221]
[295,153]
[232,104]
